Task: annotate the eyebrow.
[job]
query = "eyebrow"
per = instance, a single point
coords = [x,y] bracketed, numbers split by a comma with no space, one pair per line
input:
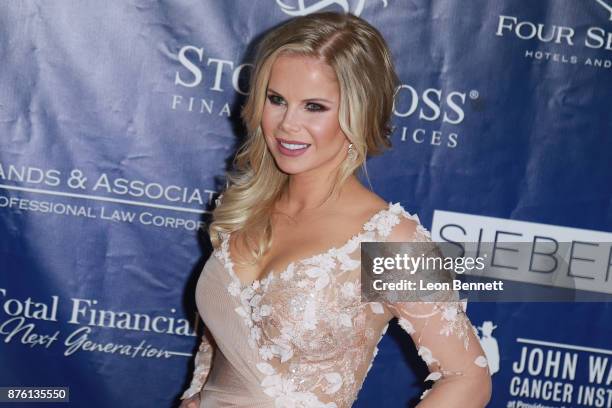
[305,100]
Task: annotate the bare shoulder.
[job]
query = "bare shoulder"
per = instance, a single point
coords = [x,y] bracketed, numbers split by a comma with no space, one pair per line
[363,203]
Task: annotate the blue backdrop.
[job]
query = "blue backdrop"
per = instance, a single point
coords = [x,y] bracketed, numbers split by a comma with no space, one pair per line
[117,122]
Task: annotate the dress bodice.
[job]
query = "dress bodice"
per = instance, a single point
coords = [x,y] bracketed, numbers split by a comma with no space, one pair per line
[302,337]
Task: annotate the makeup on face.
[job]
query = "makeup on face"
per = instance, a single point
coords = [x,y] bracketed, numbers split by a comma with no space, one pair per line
[300,117]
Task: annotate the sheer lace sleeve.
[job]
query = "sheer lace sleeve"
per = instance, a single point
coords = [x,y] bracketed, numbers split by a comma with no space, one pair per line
[444,338]
[203,362]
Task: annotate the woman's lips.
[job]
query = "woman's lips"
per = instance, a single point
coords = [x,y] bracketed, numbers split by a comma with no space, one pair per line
[291,148]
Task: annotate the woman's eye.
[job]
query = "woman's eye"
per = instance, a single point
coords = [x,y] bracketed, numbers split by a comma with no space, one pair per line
[275,99]
[311,106]
[315,107]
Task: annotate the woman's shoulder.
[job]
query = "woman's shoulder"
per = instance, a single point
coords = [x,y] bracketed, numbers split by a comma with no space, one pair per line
[369,203]
[389,219]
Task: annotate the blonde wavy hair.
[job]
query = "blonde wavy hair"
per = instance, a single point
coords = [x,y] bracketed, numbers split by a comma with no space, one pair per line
[367,80]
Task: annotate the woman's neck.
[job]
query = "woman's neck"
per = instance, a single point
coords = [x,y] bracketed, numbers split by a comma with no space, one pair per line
[305,194]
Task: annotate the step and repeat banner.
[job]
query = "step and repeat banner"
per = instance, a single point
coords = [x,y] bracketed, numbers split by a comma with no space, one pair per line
[119,118]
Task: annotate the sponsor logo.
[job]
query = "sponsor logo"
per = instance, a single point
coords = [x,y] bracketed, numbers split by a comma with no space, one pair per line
[489,345]
[299,7]
[566,44]
[442,108]
[201,83]
[78,193]
[554,373]
[81,330]
[533,253]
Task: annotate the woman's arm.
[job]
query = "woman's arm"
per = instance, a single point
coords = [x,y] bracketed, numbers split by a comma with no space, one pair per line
[445,339]
[203,362]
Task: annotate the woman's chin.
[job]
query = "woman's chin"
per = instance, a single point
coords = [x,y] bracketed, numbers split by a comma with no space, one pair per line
[291,169]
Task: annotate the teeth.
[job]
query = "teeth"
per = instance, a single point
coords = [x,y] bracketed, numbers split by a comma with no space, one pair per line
[291,146]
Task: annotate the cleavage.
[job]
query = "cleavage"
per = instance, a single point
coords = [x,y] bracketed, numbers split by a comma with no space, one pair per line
[272,261]
[278,258]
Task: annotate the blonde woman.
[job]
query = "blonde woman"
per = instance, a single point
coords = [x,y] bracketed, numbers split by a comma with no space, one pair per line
[280,296]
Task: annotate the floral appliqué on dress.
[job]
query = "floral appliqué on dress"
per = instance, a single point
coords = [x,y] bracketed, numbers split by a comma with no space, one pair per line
[316,340]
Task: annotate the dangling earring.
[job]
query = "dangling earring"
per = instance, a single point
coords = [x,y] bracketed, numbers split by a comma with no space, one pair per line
[352,153]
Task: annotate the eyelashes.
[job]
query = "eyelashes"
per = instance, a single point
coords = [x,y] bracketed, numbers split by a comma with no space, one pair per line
[310,106]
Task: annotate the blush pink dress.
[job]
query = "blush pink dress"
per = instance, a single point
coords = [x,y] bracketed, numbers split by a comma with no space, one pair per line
[302,337]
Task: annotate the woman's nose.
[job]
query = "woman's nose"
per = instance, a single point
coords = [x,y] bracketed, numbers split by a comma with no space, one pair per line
[290,122]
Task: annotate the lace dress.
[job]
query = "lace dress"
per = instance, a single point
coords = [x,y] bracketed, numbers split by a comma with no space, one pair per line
[302,337]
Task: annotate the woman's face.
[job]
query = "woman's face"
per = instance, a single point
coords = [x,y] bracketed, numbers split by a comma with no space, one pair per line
[300,116]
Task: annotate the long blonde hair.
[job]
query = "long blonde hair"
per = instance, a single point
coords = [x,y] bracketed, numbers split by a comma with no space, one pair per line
[358,54]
